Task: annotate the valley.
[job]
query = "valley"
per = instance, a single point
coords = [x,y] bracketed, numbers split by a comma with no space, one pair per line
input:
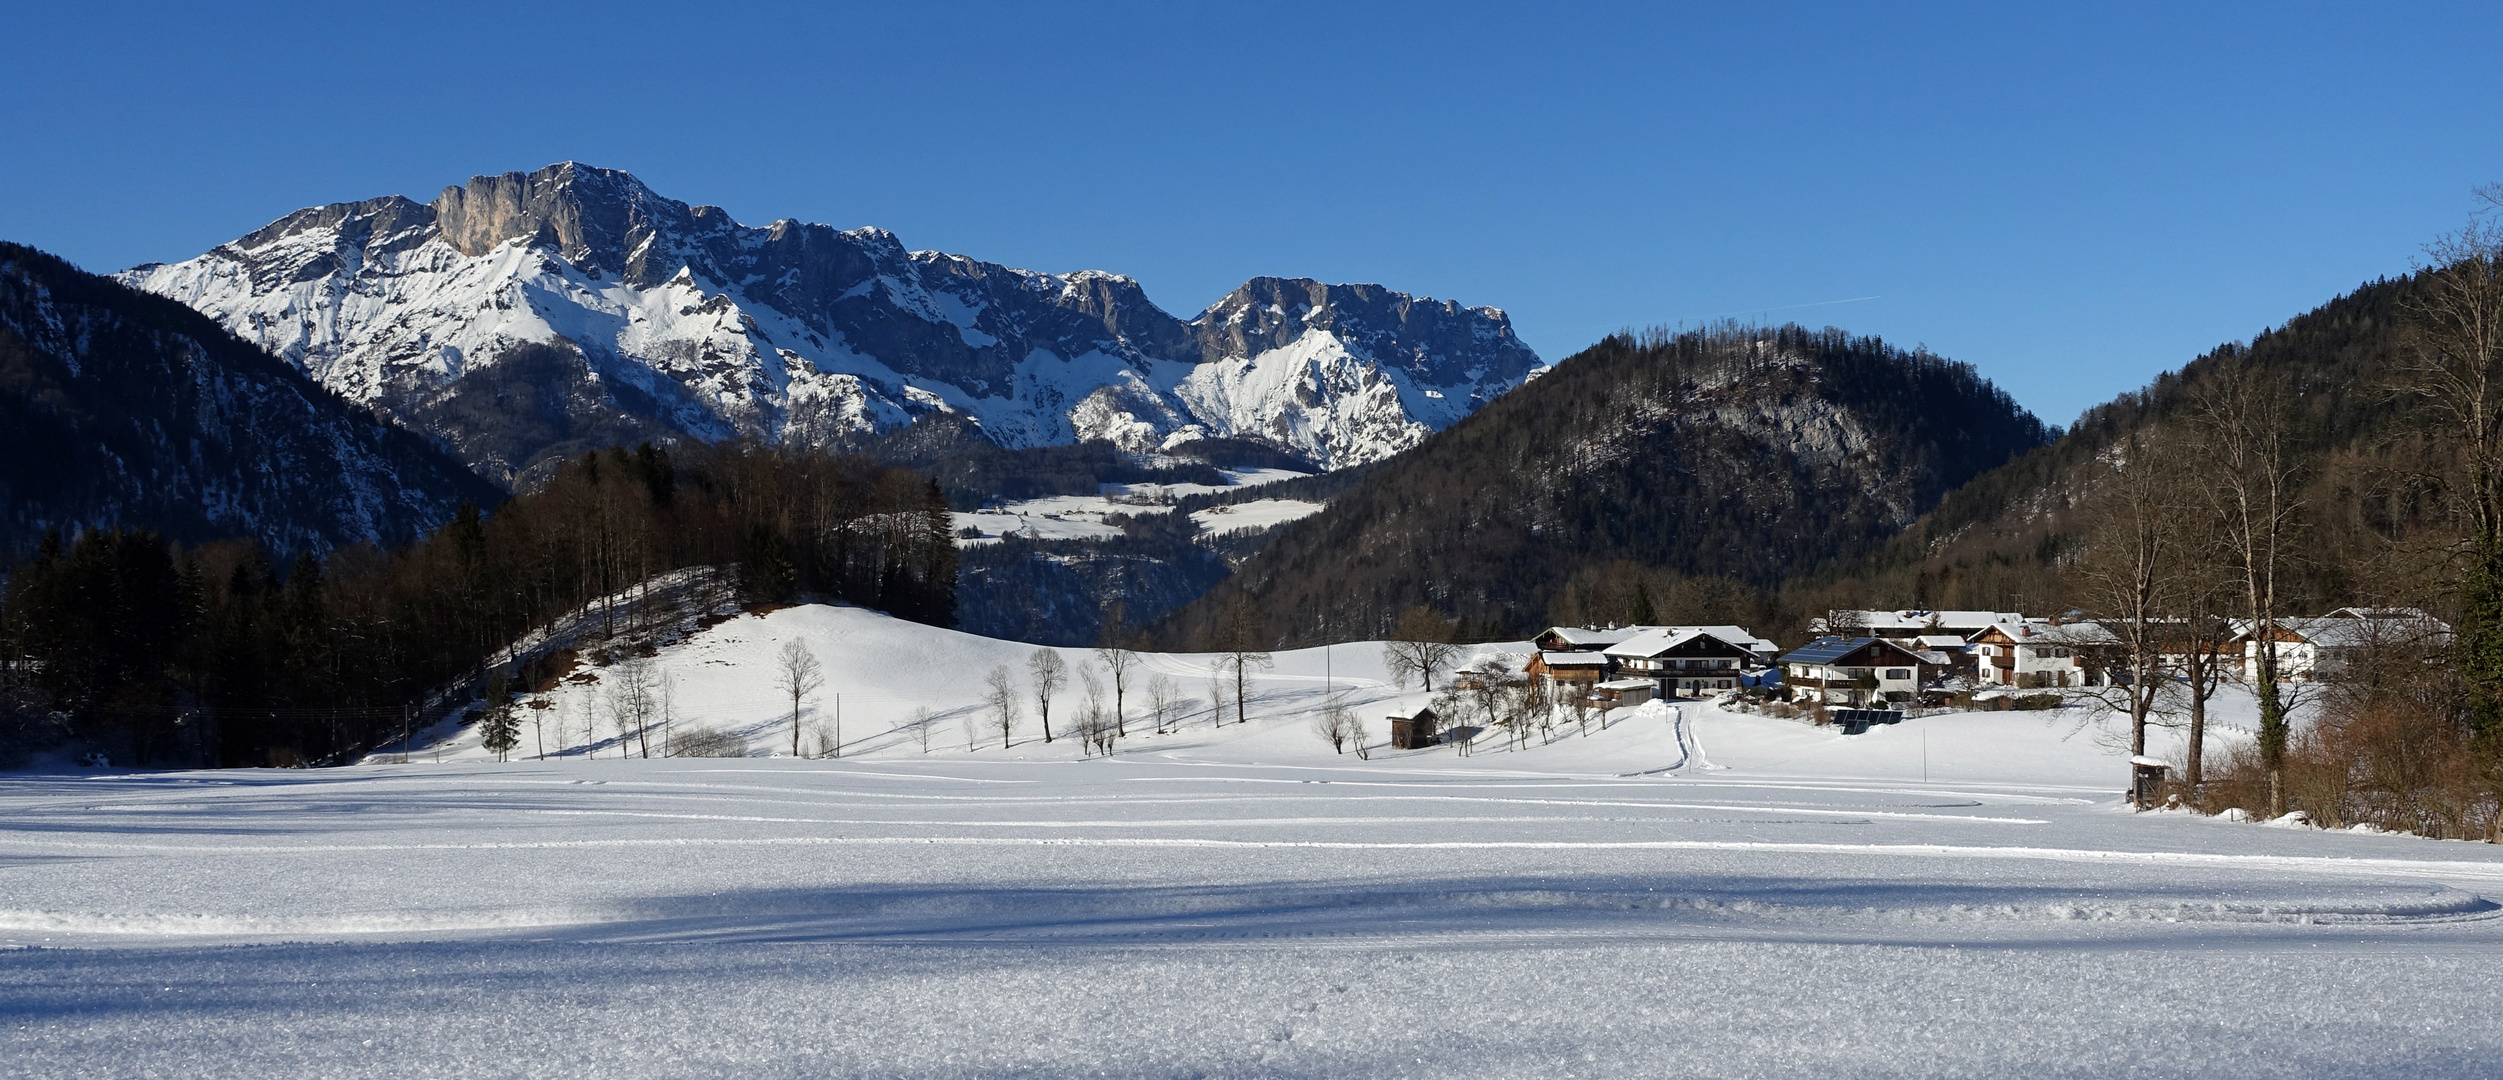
[1967,888]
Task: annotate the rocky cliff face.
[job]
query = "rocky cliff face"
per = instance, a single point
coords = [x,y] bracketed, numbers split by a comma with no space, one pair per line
[121,408]
[681,321]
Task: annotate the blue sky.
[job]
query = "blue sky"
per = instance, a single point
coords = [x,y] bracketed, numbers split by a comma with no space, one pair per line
[2072,199]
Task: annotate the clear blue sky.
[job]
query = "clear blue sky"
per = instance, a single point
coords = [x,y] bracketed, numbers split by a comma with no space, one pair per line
[2072,200]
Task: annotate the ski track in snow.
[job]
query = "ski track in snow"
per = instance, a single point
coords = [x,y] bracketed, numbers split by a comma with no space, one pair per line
[1220,902]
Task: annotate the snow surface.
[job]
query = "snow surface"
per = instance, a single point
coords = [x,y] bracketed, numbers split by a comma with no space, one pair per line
[1081,517]
[1686,892]
[1256,514]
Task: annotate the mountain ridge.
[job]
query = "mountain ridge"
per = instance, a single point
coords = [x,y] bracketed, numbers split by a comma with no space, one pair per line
[690,324]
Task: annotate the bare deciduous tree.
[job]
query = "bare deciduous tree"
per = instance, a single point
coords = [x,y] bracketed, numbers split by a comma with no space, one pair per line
[2453,358]
[1118,664]
[1050,673]
[632,701]
[921,723]
[1337,725]
[669,710]
[2255,499]
[1002,701]
[1096,730]
[2131,569]
[1420,645]
[1245,651]
[1164,700]
[797,673]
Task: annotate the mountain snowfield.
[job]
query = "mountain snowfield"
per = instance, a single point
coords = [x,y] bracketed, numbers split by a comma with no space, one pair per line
[1686,892]
[691,324]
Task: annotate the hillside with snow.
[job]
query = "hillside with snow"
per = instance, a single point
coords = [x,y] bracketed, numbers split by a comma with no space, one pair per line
[121,409]
[1682,891]
[523,315]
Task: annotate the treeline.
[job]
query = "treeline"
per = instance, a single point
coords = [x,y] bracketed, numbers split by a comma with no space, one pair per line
[208,654]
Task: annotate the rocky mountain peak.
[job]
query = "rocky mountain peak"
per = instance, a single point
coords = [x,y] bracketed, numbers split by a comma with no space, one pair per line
[1435,339]
[594,217]
[676,320]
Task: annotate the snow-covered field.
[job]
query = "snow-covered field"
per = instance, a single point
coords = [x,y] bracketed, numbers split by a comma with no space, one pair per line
[1081,517]
[1687,892]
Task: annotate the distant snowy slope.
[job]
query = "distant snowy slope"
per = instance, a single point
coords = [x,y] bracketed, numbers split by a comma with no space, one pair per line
[674,320]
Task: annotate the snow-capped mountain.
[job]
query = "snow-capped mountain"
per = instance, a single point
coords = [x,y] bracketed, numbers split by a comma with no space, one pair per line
[653,317]
[121,408]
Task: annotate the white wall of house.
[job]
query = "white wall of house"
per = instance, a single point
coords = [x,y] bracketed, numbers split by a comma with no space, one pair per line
[1905,679]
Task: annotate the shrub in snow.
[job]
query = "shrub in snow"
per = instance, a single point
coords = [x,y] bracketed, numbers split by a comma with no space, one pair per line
[694,741]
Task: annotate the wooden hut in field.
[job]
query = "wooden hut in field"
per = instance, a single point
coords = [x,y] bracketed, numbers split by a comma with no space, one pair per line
[1415,732]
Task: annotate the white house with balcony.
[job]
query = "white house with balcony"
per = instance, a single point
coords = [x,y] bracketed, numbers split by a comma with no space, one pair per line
[1852,671]
[1688,661]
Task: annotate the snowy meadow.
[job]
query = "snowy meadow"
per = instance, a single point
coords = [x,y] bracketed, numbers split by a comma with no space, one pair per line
[1685,891]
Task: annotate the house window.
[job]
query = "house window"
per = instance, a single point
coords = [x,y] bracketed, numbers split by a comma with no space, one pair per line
[1898,674]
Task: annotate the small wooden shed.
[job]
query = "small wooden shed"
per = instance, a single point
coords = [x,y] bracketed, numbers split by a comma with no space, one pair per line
[1414,732]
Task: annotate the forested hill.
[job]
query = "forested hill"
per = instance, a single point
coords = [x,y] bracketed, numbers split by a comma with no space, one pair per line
[122,408]
[1741,453]
[2356,441]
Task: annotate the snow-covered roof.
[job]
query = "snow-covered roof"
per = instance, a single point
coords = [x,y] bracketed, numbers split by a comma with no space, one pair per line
[1654,640]
[1892,623]
[1948,642]
[1826,650]
[1626,684]
[2350,632]
[1591,637]
[1572,659]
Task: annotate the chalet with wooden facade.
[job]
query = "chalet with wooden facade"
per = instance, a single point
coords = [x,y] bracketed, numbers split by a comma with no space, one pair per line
[2030,655]
[1852,671]
[1677,661]
[1688,661]
[1568,672]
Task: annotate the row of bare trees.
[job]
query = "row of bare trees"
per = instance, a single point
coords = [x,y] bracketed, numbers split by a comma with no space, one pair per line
[2199,522]
[1099,724]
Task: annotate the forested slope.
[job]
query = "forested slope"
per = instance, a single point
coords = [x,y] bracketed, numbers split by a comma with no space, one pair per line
[2357,442]
[122,408]
[1746,454]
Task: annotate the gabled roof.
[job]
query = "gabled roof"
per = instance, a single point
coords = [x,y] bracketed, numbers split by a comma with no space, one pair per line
[1826,650]
[1919,618]
[2348,631]
[1655,640]
[1591,637]
[1949,642]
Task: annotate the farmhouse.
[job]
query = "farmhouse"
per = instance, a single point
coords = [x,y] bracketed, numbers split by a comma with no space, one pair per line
[1687,661]
[2326,647]
[2039,654]
[1911,623]
[1836,670]
[1570,672]
[1583,638]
